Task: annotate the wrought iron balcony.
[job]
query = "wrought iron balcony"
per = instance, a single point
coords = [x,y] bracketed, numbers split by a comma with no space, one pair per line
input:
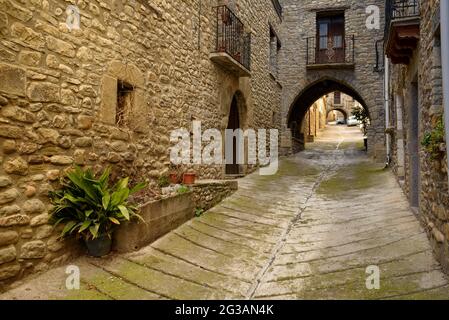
[330,52]
[402,25]
[233,45]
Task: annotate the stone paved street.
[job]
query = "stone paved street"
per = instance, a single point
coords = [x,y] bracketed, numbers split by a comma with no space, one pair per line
[309,232]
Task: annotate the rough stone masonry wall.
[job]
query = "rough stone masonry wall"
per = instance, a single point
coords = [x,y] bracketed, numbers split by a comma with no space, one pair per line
[208,193]
[300,23]
[58,90]
[434,196]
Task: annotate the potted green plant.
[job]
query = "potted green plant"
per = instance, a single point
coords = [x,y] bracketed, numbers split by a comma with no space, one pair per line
[91,209]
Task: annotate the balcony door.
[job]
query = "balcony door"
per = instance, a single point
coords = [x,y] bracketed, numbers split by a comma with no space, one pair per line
[330,38]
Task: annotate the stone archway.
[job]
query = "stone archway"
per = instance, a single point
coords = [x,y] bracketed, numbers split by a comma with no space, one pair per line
[236,118]
[341,110]
[321,87]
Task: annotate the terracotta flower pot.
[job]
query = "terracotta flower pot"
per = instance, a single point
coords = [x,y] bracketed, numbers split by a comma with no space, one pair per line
[174,178]
[189,178]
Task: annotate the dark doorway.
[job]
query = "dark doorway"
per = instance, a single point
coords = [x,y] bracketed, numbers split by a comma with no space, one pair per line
[414,171]
[330,37]
[233,124]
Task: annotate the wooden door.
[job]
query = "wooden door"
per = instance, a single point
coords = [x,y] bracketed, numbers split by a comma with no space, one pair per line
[330,39]
[233,124]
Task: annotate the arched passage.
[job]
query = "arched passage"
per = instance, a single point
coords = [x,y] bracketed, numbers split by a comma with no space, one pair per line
[343,111]
[308,96]
[236,119]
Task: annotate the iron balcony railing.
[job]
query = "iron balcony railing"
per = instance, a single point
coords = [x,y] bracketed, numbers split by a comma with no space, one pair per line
[330,50]
[231,37]
[400,9]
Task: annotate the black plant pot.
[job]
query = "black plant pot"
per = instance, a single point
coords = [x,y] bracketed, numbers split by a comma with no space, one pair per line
[99,247]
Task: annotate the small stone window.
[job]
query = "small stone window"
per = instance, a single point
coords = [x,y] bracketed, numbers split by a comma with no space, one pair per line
[124,103]
[123,97]
[337,97]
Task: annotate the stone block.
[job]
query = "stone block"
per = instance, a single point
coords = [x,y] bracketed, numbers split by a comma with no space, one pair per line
[161,217]
[9,210]
[40,220]
[108,100]
[4,181]
[15,10]
[8,196]
[60,46]
[8,271]
[30,58]
[33,206]
[14,220]
[8,237]
[13,132]
[33,250]
[16,166]
[44,92]
[7,254]
[18,114]
[27,36]
[12,79]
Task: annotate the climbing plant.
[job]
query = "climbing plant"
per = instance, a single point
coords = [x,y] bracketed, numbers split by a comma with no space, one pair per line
[432,140]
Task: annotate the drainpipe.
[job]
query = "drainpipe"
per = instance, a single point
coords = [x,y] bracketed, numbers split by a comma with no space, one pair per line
[444,12]
[387,108]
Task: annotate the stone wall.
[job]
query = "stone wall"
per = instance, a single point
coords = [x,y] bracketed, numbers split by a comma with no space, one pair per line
[433,184]
[315,120]
[298,81]
[206,194]
[60,90]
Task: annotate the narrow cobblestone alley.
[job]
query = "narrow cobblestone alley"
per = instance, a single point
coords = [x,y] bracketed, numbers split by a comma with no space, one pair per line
[309,232]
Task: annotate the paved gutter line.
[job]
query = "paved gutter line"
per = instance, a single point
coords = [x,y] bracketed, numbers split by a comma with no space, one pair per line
[203,246]
[350,253]
[204,285]
[283,239]
[337,246]
[199,266]
[96,289]
[372,223]
[234,233]
[234,258]
[250,221]
[282,279]
[121,277]
[350,282]
[412,220]
[251,214]
[238,244]
[414,292]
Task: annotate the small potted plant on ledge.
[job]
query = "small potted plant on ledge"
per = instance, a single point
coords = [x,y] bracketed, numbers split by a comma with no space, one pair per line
[174,175]
[189,178]
[90,209]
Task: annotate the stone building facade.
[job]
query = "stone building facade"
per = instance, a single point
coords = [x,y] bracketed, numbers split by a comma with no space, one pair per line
[348,65]
[416,112]
[315,120]
[110,93]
